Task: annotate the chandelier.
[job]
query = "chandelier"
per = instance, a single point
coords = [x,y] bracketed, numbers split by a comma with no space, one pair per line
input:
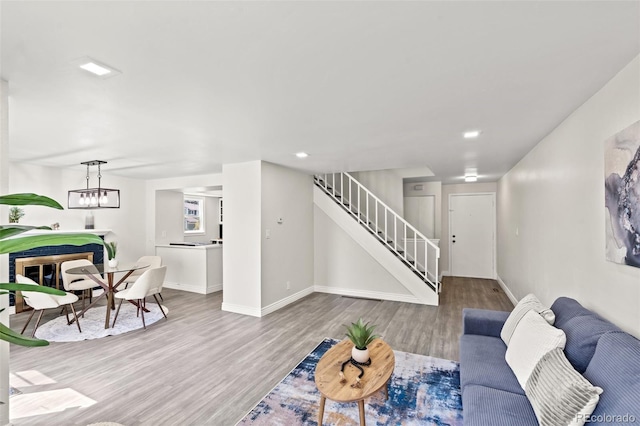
[94,198]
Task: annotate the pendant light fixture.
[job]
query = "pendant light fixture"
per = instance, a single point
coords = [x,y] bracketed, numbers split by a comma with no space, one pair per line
[94,198]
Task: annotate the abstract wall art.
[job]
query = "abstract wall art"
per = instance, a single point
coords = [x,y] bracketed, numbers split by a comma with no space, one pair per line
[622,196]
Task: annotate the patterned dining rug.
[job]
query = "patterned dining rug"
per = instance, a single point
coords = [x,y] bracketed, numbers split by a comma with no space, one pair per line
[92,324]
[423,391]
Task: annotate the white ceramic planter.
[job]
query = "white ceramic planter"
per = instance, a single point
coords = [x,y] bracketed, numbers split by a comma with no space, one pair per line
[360,355]
[113,263]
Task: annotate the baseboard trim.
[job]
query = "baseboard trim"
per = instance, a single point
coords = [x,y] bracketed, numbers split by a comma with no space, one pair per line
[240,309]
[366,294]
[286,301]
[214,288]
[506,290]
[444,274]
[193,288]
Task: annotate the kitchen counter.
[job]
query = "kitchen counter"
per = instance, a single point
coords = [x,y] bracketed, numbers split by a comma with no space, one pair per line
[194,268]
[197,246]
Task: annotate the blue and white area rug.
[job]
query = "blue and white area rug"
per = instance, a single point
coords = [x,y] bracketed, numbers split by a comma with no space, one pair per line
[92,324]
[423,391]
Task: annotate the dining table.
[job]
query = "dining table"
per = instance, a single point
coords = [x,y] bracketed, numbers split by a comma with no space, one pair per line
[111,285]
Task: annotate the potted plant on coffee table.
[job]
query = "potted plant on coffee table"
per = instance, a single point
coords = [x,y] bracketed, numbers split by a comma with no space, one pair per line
[361,335]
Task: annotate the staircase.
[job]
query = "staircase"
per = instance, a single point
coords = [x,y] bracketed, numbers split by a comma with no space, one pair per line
[411,249]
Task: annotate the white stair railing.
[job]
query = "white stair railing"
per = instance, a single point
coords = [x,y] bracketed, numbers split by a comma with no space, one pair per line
[405,241]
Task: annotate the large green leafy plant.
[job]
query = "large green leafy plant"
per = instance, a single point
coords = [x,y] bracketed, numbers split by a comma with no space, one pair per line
[11,241]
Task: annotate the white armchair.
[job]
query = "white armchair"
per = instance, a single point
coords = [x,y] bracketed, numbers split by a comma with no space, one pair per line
[41,301]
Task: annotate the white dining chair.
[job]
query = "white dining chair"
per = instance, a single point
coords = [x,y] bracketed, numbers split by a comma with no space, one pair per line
[152,261]
[148,284]
[42,301]
[75,282]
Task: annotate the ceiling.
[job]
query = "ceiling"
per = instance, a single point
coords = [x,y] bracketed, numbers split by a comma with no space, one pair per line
[357,85]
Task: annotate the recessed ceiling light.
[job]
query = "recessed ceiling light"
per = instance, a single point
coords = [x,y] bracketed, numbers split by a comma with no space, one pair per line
[302,154]
[470,178]
[471,134]
[96,68]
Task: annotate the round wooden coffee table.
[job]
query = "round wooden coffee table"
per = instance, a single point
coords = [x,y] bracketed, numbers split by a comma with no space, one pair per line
[376,376]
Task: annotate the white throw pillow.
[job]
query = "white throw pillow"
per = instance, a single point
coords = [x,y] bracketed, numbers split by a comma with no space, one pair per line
[526,304]
[531,340]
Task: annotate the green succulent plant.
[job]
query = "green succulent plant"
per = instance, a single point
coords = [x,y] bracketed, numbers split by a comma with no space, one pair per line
[11,242]
[361,334]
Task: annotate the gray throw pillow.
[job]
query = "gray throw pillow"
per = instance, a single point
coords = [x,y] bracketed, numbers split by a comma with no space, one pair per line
[558,393]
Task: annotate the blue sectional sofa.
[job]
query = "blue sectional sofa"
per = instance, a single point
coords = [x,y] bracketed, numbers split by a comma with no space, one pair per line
[600,351]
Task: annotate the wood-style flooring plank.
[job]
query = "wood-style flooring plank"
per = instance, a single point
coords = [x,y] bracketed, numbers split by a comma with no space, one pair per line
[204,366]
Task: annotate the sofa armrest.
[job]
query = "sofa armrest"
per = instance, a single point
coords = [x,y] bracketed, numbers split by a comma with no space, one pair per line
[483,322]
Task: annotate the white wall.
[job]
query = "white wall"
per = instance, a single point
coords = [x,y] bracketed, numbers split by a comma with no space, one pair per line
[428,189]
[551,214]
[169,209]
[242,255]
[4,258]
[342,266]
[459,188]
[55,182]
[288,254]
[386,185]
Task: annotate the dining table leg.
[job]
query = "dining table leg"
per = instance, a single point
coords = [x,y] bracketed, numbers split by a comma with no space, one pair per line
[110,301]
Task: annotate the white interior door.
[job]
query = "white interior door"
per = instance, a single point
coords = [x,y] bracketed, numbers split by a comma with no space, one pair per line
[472,235]
[421,213]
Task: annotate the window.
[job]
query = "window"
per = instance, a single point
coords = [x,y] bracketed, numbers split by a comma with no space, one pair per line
[193,215]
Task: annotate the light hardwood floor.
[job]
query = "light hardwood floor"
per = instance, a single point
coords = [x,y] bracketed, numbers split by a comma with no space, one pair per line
[204,366]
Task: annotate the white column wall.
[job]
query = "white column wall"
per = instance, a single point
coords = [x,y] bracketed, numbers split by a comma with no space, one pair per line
[551,213]
[242,254]
[287,256]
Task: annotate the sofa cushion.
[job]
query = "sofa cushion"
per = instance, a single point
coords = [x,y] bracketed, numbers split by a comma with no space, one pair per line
[583,333]
[558,393]
[566,308]
[528,303]
[532,338]
[615,367]
[483,406]
[483,321]
[482,363]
